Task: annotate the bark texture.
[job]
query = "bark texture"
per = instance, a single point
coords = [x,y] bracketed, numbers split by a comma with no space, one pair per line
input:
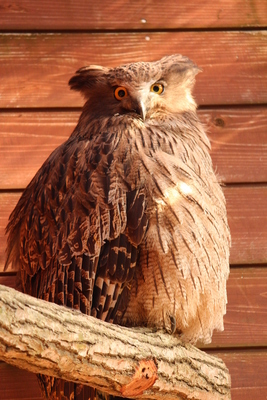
[53,340]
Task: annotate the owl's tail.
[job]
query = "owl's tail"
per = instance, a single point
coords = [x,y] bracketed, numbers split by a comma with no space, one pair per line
[58,389]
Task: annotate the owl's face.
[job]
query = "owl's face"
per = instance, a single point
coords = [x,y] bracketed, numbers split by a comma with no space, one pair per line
[142,90]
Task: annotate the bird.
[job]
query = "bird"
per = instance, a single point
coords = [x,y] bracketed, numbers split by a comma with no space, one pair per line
[126,220]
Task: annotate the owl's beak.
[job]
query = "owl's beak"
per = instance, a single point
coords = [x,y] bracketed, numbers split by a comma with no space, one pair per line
[140,109]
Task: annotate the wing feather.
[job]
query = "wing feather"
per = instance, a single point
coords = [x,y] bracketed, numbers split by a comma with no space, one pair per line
[69,231]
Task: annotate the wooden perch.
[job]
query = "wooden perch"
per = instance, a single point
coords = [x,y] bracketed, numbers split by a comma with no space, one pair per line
[46,338]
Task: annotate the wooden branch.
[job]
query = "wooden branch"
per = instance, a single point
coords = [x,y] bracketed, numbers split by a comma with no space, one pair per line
[50,339]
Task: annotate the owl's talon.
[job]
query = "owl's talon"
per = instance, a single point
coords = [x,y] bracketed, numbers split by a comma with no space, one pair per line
[169,323]
[173,324]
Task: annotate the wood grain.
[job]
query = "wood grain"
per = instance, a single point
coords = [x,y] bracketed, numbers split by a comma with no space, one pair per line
[238,143]
[8,279]
[84,15]
[238,138]
[56,341]
[248,373]
[16,383]
[26,140]
[247,214]
[35,68]
[246,319]
[247,368]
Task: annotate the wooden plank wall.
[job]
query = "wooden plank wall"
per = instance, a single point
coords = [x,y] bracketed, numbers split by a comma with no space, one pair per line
[41,46]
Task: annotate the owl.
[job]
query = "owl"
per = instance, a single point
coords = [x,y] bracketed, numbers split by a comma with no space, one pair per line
[126,220]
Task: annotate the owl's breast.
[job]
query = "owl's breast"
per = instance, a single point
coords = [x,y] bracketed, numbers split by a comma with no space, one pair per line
[184,257]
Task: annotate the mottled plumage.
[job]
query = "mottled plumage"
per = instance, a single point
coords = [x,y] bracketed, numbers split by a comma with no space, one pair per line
[126,220]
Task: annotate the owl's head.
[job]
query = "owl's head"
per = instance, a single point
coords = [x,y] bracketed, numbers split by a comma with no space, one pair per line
[142,89]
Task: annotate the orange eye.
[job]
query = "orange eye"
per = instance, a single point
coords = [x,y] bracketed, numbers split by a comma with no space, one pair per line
[157,88]
[120,93]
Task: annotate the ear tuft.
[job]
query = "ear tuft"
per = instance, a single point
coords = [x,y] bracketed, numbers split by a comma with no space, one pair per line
[180,65]
[87,77]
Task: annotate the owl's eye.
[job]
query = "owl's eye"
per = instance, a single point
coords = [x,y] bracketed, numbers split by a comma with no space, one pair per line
[157,88]
[120,93]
